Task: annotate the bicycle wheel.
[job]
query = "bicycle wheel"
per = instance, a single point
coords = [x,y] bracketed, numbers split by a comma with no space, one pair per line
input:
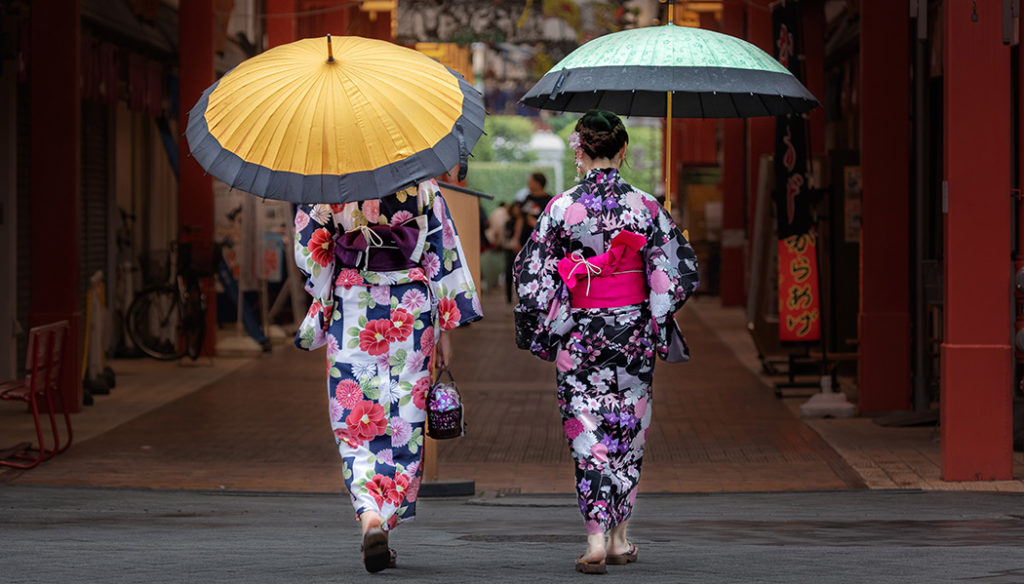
[193,320]
[155,323]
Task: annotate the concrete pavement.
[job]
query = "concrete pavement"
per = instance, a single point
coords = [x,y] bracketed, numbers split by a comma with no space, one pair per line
[71,535]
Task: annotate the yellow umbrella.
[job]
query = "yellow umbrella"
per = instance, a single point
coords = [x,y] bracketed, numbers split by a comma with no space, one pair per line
[317,121]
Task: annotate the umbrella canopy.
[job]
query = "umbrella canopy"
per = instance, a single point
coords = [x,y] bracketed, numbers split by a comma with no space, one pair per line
[710,75]
[317,121]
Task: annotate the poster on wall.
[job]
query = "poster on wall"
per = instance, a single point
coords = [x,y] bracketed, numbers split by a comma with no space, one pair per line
[252,233]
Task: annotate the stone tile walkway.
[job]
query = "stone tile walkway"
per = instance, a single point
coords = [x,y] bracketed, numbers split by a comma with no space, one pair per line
[261,425]
[884,457]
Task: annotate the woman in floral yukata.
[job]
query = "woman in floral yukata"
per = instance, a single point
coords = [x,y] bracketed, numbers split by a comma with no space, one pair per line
[599,282]
[388,278]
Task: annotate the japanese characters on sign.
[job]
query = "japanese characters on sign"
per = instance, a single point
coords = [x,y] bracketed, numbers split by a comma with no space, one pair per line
[799,313]
[799,304]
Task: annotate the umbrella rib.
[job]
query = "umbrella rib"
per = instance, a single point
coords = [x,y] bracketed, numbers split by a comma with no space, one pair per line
[251,121]
[735,108]
[767,110]
[313,129]
[294,114]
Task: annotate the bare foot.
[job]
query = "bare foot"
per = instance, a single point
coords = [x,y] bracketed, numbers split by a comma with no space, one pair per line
[617,542]
[595,548]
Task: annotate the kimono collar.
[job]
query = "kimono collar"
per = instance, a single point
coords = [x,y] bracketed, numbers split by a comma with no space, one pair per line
[603,175]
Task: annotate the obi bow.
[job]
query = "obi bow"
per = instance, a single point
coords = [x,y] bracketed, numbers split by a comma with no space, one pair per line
[618,275]
[383,248]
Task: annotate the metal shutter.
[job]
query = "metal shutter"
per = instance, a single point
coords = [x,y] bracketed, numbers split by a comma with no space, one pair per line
[95,194]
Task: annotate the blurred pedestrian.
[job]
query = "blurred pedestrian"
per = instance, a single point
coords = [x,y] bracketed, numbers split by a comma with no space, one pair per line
[536,201]
[389,279]
[598,285]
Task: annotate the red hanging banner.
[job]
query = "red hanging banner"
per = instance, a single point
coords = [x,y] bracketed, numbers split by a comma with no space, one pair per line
[799,305]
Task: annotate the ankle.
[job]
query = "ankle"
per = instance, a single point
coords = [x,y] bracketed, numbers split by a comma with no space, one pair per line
[617,539]
[596,546]
[370,520]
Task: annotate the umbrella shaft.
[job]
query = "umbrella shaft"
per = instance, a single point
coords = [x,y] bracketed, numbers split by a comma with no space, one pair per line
[668,149]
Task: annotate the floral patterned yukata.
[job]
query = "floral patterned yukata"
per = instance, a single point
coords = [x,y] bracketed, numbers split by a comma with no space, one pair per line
[605,356]
[380,328]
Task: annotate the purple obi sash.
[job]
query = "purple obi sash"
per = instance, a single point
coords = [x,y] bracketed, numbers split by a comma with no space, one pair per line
[381,248]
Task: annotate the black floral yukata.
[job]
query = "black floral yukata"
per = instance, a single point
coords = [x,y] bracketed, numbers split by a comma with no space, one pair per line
[604,356]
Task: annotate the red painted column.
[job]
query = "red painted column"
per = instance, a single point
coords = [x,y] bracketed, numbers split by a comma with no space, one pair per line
[195,188]
[977,375]
[884,365]
[56,180]
[280,22]
[733,290]
[336,20]
[760,131]
[382,27]
[813,18]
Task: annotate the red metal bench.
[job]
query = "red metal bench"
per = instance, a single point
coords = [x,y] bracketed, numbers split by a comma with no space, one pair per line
[40,389]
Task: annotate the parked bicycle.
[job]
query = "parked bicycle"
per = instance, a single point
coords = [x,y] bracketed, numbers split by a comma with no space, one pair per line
[168,321]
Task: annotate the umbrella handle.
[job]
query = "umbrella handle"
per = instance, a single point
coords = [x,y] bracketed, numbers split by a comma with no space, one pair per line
[330,50]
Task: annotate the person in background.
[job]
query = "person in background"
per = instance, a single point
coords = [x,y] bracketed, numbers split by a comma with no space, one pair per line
[536,201]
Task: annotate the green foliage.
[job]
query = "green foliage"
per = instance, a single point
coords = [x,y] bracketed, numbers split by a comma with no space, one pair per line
[507,139]
[502,179]
[559,122]
[642,168]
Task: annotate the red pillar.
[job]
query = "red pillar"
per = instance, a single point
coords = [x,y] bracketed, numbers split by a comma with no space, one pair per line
[884,363]
[977,373]
[195,188]
[760,131]
[336,20]
[280,22]
[814,68]
[381,27]
[734,164]
[55,177]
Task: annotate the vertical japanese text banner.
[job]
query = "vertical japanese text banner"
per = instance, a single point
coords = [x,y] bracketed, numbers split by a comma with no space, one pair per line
[799,303]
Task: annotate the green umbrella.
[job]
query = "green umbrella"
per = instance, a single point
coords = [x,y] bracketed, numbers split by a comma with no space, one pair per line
[712,75]
[692,72]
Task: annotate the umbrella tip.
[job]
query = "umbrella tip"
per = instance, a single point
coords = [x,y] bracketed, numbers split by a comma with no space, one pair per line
[330,51]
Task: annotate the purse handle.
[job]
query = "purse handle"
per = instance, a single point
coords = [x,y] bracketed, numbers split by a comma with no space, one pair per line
[441,371]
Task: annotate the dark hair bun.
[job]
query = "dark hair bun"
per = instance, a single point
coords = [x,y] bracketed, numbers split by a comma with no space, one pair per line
[602,134]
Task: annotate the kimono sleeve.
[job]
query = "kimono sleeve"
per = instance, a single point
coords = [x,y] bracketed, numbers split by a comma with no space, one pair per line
[672,276]
[536,267]
[542,313]
[444,262]
[314,248]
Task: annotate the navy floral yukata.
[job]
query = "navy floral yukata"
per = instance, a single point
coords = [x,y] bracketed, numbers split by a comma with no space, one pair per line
[380,327]
[605,356]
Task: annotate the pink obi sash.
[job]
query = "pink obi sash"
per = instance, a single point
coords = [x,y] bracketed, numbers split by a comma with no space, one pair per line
[608,280]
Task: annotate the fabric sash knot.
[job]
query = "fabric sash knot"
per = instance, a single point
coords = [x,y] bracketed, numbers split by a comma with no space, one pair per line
[614,278]
[381,248]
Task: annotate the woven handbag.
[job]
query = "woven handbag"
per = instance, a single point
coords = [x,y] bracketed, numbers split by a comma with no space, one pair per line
[444,409]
